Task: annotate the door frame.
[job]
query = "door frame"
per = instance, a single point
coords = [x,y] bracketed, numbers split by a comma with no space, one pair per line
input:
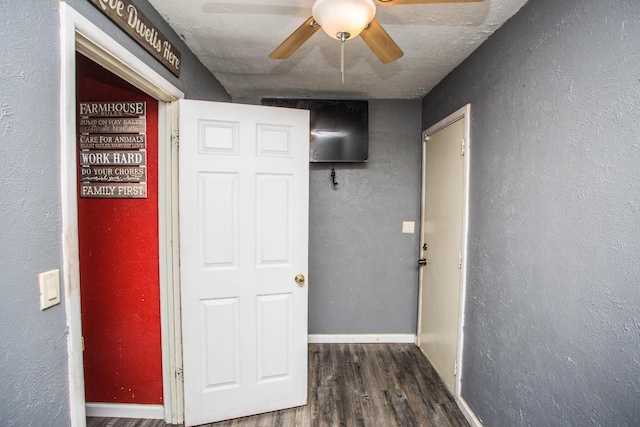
[78,34]
[463,113]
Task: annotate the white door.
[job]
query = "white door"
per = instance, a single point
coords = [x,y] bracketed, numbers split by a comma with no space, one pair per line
[244,194]
[441,245]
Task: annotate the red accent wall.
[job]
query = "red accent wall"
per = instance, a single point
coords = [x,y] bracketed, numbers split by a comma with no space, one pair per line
[119,270]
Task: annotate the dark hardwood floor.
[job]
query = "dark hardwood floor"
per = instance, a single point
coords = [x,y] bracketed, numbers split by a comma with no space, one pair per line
[359,385]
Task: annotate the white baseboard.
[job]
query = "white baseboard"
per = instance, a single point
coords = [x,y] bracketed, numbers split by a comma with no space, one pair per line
[125,410]
[361,339]
[468,413]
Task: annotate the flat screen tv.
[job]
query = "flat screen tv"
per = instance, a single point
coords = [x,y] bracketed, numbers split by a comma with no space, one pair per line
[339,128]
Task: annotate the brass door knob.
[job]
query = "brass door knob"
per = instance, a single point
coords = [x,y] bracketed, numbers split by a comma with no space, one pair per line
[299,279]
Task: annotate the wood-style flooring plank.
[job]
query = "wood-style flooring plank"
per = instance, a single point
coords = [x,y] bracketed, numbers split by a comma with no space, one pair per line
[354,385]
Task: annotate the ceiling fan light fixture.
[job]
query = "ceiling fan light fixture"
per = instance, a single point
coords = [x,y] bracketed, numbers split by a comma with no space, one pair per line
[343,16]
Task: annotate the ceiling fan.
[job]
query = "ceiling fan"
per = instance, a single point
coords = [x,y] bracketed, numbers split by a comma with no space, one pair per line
[345,19]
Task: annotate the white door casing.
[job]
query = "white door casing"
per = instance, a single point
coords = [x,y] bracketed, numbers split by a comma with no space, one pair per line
[243,184]
[443,244]
[77,33]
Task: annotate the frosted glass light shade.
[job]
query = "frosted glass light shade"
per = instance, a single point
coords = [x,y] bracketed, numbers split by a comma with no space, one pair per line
[336,16]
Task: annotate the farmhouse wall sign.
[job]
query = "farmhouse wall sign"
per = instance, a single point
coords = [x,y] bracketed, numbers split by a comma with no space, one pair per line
[112,144]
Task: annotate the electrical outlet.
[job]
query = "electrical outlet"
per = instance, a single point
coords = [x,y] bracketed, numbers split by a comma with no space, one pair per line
[408,227]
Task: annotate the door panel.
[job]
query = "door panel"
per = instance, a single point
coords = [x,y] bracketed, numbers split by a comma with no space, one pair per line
[442,234]
[274,330]
[244,177]
[220,333]
[219,219]
[274,219]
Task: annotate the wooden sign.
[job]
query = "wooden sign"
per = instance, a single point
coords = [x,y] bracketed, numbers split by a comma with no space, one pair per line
[124,158]
[113,191]
[126,15]
[111,109]
[118,141]
[113,125]
[112,152]
[113,174]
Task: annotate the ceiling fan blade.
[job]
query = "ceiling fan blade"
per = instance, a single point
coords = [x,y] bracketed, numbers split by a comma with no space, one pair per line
[381,42]
[392,2]
[295,40]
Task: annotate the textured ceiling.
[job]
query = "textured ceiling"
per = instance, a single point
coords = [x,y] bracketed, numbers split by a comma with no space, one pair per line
[234,38]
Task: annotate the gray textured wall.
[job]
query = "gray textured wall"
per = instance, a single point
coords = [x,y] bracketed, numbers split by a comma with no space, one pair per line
[552,332]
[363,275]
[33,345]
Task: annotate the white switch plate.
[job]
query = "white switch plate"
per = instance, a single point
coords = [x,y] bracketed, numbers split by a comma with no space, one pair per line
[408,227]
[49,288]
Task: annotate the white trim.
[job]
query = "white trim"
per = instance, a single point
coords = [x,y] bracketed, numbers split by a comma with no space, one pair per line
[422,215]
[105,51]
[79,34]
[125,410]
[465,114]
[461,113]
[69,208]
[361,338]
[168,264]
[471,417]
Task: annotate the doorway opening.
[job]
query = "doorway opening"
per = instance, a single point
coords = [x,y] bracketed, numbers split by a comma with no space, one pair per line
[80,35]
[119,251]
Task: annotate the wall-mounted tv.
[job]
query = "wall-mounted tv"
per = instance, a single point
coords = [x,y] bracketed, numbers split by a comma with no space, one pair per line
[339,128]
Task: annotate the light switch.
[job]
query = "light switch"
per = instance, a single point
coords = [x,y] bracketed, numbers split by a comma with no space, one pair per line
[408,227]
[49,288]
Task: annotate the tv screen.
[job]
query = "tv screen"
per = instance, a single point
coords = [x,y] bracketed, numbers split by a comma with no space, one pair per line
[339,128]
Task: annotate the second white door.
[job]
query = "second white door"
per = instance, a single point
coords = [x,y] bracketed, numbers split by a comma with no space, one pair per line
[442,237]
[243,183]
